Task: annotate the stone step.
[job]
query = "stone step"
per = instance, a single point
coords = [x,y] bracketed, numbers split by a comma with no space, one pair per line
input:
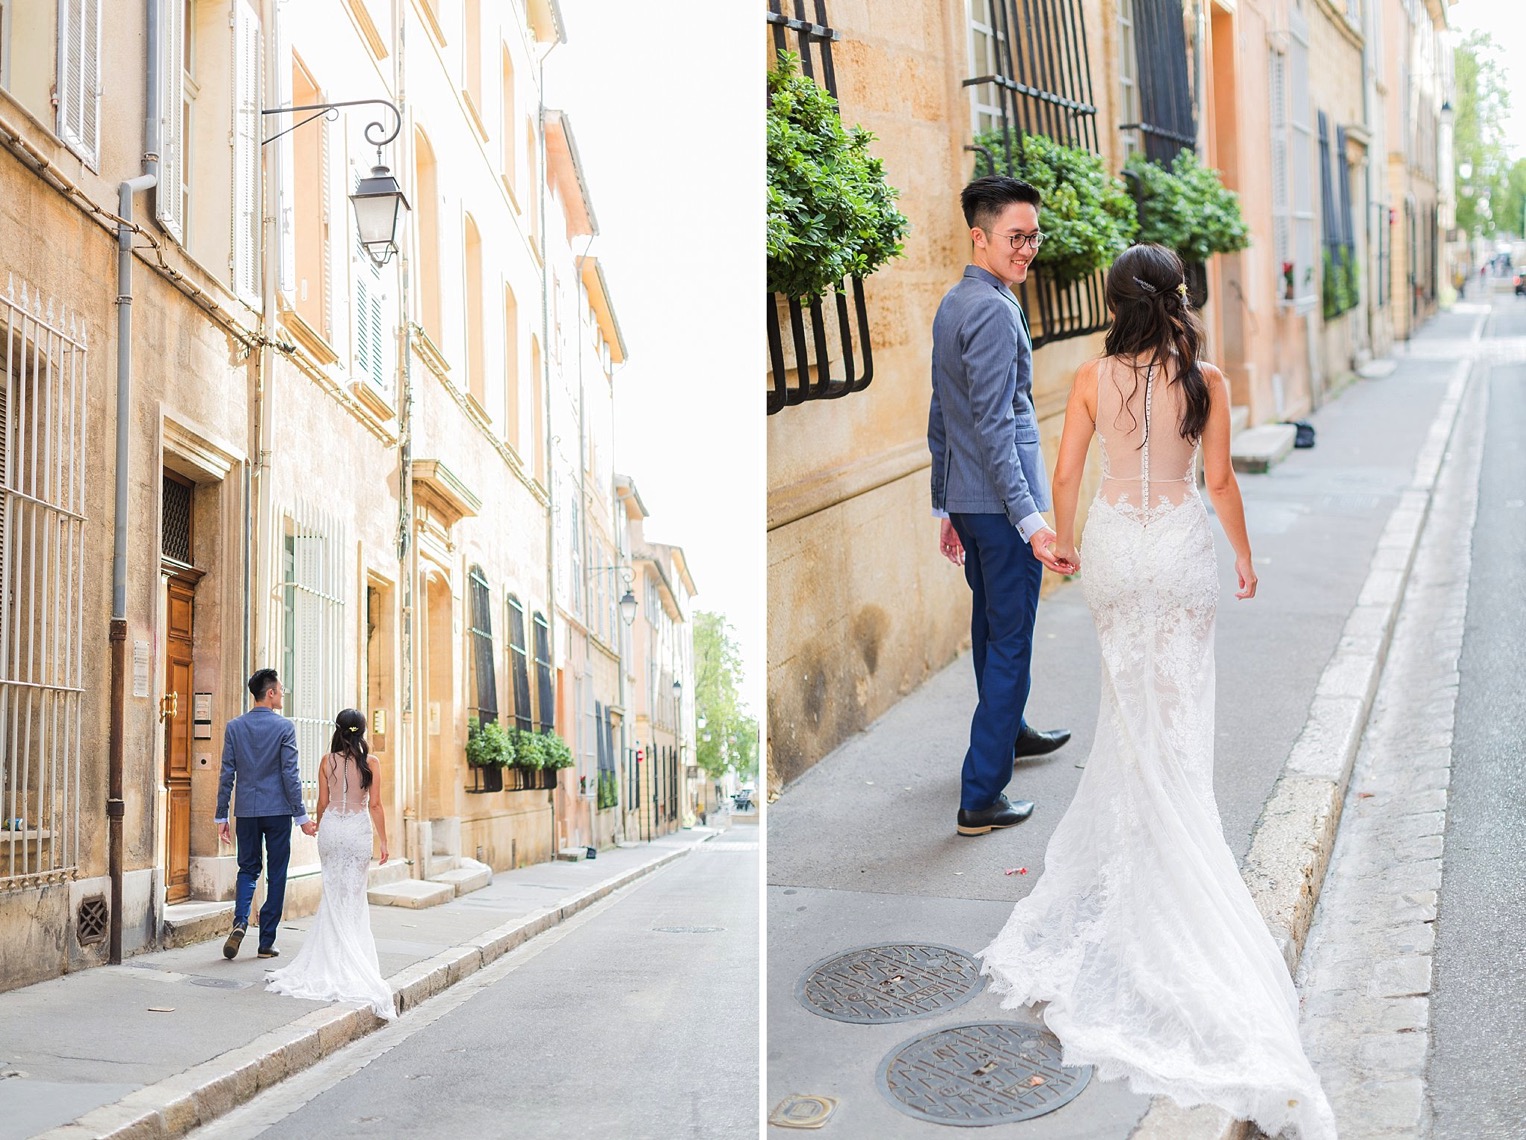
[1257,450]
[395,871]
[436,865]
[187,923]
[470,876]
[572,854]
[413,894]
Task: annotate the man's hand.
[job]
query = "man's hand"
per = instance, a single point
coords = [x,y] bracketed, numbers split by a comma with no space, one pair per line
[225,832]
[949,544]
[1043,549]
[309,828]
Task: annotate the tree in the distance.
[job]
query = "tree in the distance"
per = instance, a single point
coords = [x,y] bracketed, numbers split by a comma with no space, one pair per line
[732,743]
[1487,202]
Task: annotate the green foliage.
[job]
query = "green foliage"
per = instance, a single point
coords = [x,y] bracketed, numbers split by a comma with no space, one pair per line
[1486,203]
[1342,283]
[488,745]
[529,749]
[554,751]
[1187,208]
[1087,215]
[609,790]
[733,743]
[831,214]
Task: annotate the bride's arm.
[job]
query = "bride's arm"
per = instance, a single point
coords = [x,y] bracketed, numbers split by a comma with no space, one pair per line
[1080,422]
[1219,473]
[378,813]
[323,792]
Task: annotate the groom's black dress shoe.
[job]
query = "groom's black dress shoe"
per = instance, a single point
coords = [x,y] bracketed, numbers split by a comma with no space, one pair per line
[999,814]
[268,952]
[1032,742]
[230,947]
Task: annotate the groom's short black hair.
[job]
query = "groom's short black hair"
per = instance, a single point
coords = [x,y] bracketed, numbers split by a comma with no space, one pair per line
[262,682]
[986,197]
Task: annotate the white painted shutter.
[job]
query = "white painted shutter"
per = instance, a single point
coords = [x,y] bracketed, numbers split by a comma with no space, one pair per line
[79,80]
[245,261]
[1302,159]
[169,202]
[1280,173]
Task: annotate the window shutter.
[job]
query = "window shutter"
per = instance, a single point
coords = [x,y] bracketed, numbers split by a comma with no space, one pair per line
[246,154]
[79,44]
[169,202]
[1302,158]
[1280,172]
[362,325]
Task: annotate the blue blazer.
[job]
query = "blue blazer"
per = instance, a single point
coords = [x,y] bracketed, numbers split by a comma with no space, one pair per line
[981,428]
[260,751]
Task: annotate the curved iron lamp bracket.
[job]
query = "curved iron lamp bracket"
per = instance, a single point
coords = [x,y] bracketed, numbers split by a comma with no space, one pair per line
[331,111]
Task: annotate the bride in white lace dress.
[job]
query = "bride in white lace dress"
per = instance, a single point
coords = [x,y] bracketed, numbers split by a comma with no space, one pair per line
[1141,935]
[338,961]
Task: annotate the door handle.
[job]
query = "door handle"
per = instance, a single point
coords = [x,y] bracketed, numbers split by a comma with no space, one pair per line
[169,706]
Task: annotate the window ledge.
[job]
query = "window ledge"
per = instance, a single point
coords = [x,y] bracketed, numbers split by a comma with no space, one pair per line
[474,115]
[308,338]
[373,400]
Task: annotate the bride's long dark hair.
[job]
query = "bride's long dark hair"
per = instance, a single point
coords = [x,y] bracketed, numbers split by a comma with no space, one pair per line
[1152,317]
[350,740]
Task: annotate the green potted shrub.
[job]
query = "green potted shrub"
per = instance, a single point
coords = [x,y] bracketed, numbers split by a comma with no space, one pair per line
[831,214]
[1187,208]
[488,751]
[1087,216]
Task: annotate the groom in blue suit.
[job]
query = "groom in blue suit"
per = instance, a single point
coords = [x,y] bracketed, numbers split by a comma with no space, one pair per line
[990,487]
[260,756]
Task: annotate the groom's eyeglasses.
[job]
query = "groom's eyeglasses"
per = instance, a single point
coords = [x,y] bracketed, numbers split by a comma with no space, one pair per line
[1017,241]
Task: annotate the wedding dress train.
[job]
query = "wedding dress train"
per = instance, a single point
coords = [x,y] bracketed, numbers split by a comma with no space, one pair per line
[338,961]
[1141,935]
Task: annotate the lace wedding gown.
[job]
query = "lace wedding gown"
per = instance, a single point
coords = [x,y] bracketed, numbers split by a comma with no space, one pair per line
[338,961]
[1141,935]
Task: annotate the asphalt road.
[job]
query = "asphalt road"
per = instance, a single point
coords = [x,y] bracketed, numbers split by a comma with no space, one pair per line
[636,1019]
[1477,1074]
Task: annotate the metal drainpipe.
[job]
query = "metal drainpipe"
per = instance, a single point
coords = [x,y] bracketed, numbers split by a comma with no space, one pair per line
[545,365]
[116,807]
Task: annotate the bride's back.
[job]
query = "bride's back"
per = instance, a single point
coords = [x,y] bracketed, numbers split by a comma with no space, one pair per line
[1146,461]
[346,793]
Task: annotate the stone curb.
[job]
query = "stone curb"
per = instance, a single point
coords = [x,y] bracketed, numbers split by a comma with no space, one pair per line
[1290,848]
[176,1105]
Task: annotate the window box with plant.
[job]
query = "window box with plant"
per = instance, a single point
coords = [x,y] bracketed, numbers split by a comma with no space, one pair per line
[1087,216]
[1188,208]
[538,756]
[489,750]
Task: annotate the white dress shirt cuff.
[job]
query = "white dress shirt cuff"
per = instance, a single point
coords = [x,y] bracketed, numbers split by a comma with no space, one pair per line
[1030,525]
[937,514]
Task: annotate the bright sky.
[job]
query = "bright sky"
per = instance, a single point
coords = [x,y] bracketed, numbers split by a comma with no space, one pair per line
[666,106]
[1505,21]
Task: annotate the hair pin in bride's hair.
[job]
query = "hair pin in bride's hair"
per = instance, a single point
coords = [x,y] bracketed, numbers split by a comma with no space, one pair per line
[1182,290]
[353,728]
[1145,285]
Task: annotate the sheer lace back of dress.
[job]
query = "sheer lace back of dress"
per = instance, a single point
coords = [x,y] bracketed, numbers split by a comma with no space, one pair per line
[345,792]
[1148,467]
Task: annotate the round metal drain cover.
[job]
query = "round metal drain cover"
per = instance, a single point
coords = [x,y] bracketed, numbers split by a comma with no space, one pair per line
[220,983]
[889,983]
[992,1072]
[688,929]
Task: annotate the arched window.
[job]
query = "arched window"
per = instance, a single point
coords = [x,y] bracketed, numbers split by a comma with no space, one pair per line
[427,205]
[519,666]
[511,392]
[476,352]
[538,415]
[509,155]
[546,702]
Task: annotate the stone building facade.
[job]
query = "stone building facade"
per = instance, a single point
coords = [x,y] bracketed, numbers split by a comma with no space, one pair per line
[385,477]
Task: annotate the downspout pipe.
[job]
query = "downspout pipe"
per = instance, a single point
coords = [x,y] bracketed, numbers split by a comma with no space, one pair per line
[115,798]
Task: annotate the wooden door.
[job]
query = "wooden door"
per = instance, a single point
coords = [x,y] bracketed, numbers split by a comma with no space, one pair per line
[177,741]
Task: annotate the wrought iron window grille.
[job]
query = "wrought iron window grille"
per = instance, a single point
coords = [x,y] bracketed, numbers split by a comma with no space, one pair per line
[1167,118]
[1042,86]
[803,328]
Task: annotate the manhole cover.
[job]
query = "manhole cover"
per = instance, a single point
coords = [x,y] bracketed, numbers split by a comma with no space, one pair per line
[889,983]
[219,983]
[688,929]
[992,1072]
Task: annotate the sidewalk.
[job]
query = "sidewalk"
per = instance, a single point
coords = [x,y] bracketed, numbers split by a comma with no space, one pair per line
[862,849]
[170,1040]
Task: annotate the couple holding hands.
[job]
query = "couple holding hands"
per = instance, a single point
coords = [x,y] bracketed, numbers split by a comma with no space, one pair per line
[260,776]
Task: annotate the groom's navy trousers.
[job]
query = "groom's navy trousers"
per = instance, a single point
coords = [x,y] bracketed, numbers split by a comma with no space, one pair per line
[1005,577]
[274,833]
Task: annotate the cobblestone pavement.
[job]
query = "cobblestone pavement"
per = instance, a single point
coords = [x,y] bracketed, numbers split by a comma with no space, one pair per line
[1366,972]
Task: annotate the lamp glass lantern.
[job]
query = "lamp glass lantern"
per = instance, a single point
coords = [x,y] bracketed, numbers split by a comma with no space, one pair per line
[379,206]
[628,608]
[678,687]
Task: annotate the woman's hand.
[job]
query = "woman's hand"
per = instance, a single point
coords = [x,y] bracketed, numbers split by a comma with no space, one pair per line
[1247,575]
[383,862]
[1067,557]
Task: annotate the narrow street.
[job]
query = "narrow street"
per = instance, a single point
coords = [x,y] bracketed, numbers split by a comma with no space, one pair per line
[1414,967]
[636,1019]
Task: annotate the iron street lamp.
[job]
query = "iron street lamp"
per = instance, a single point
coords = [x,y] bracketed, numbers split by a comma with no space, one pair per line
[628,601]
[678,688]
[378,200]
